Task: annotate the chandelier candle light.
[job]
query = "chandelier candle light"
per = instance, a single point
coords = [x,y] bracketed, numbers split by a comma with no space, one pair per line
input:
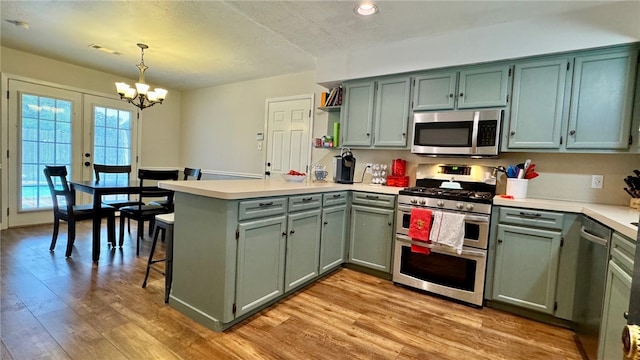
[141,93]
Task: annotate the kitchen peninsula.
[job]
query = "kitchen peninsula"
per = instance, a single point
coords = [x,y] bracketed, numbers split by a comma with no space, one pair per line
[229,255]
[230,239]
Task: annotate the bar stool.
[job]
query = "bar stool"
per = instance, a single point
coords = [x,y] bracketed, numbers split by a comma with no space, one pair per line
[163,223]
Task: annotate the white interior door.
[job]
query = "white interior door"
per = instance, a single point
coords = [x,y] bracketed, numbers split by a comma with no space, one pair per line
[288,134]
[45,128]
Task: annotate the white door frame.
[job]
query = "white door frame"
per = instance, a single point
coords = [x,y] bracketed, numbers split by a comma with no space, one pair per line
[311,98]
[4,133]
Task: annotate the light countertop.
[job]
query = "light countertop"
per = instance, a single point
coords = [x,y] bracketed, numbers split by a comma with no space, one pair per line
[617,217]
[256,188]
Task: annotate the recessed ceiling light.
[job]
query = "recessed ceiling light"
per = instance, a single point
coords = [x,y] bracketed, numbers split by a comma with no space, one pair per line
[104,49]
[19,23]
[366,9]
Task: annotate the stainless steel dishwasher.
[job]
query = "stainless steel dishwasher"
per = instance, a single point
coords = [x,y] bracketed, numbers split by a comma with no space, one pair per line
[593,256]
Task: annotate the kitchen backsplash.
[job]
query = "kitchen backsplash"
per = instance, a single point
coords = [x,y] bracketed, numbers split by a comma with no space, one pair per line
[562,176]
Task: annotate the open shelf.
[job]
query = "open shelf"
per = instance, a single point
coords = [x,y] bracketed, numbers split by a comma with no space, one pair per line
[329,108]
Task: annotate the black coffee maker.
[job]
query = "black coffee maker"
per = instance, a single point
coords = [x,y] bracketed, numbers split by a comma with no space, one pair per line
[344,165]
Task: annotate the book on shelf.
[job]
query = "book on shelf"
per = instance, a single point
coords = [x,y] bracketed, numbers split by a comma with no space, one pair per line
[334,98]
[323,98]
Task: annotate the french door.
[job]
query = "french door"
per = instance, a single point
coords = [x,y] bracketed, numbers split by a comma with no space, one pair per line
[53,126]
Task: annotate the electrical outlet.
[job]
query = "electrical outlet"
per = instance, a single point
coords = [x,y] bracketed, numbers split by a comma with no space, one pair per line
[368,167]
[596,181]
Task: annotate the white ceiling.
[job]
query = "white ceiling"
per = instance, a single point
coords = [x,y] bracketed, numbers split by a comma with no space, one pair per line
[195,44]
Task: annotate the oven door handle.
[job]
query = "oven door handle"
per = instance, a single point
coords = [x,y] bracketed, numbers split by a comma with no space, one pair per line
[469,218]
[465,251]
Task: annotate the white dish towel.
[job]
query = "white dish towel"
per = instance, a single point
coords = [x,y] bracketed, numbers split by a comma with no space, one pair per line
[448,229]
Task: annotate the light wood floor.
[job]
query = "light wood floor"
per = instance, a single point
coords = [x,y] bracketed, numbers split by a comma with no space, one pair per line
[57,308]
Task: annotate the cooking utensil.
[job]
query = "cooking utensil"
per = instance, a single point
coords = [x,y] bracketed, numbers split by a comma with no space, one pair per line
[527,163]
[629,183]
[512,171]
[531,175]
[637,172]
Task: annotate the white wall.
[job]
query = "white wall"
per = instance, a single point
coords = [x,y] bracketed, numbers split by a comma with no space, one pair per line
[609,24]
[219,124]
[160,125]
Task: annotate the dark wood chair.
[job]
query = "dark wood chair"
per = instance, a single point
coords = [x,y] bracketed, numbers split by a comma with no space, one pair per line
[142,212]
[189,173]
[70,212]
[123,170]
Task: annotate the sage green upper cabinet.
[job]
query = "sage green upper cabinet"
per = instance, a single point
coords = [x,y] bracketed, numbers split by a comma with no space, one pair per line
[392,112]
[601,101]
[581,102]
[537,106]
[476,87]
[435,91]
[376,112]
[357,114]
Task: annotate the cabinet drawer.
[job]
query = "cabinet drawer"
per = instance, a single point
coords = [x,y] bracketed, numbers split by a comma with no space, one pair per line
[372,199]
[531,217]
[623,251]
[336,198]
[258,208]
[305,202]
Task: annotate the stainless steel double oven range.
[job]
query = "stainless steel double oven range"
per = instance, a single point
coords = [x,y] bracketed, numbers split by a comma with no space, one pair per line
[444,271]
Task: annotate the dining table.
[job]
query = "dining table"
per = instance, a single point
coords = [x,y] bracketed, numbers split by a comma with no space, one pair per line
[99,189]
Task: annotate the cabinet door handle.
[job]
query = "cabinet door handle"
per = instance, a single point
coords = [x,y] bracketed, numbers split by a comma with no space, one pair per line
[389,223]
[499,241]
[626,314]
[404,134]
[337,196]
[461,94]
[451,95]
[307,199]
[371,197]
[512,133]
[572,132]
[266,204]
[284,233]
[292,232]
[529,214]
[326,222]
[368,134]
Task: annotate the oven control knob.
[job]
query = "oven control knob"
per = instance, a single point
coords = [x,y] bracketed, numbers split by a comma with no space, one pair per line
[423,202]
[414,201]
[459,206]
[440,203]
[469,207]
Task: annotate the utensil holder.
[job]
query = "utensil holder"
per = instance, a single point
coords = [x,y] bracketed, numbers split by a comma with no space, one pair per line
[634,203]
[517,188]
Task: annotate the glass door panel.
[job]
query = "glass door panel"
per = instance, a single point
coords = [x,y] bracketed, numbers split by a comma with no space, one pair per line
[111,134]
[45,129]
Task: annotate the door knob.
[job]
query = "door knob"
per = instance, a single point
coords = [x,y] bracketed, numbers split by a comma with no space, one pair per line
[631,342]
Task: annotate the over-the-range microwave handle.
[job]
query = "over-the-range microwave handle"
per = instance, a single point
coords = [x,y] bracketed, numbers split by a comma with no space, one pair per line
[407,240]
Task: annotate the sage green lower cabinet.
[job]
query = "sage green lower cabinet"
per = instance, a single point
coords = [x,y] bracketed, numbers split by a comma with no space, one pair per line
[371,237]
[303,248]
[333,238]
[531,262]
[261,262]
[616,297]
[526,267]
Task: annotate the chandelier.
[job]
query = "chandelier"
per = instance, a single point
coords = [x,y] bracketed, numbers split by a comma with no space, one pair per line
[140,96]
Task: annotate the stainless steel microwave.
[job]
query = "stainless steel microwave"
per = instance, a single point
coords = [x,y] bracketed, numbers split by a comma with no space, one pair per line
[457,133]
